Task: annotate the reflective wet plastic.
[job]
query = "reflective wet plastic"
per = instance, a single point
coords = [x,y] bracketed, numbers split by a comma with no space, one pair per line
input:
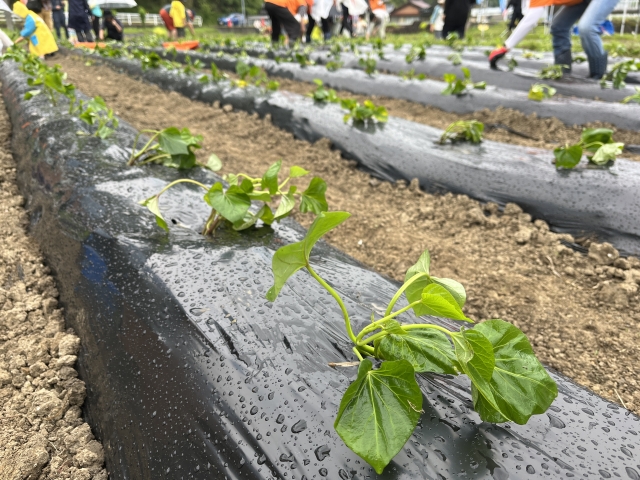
[585,201]
[191,373]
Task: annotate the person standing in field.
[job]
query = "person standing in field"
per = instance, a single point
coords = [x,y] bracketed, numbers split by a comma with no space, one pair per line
[59,20]
[377,17]
[79,20]
[35,31]
[436,23]
[516,14]
[529,21]
[96,19]
[591,14]
[282,14]
[456,14]
[45,13]
[179,16]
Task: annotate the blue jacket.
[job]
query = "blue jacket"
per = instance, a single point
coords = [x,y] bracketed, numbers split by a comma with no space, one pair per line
[78,8]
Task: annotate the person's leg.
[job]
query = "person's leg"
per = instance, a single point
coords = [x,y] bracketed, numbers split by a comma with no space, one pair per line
[561,33]
[289,23]
[460,31]
[528,23]
[326,28]
[310,26]
[512,22]
[56,24]
[275,23]
[383,27]
[589,27]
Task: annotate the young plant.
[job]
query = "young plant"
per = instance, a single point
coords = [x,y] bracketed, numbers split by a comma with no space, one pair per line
[232,205]
[95,111]
[334,65]
[552,72]
[255,75]
[455,58]
[598,145]
[303,59]
[381,408]
[51,80]
[191,68]
[617,76]
[216,75]
[322,94]
[411,75]
[633,98]
[363,113]
[170,147]
[417,52]
[369,64]
[461,86]
[512,64]
[534,55]
[463,131]
[540,91]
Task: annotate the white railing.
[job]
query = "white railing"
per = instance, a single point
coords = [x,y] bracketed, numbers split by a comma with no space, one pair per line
[131,19]
[628,5]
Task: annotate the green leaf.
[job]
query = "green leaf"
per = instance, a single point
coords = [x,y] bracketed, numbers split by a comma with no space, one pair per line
[313,198]
[519,384]
[246,185]
[232,204]
[266,215]
[596,135]
[454,288]
[248,221]
[152,203]
[214,163]
[171,142]
[32,93]
[379,411]
[287,202]
[270,178]
[260,196]
[437,301]
[295,172]
[568,156]
[427,350]
[291,258]
[607,152]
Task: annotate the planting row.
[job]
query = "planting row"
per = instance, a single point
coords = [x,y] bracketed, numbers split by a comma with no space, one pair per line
[200,374]
[418,62]
[396,150]
[460,94]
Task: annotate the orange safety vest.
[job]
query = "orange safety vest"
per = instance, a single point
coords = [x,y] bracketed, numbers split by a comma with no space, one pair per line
[291,5]
[377,5]
[548,3]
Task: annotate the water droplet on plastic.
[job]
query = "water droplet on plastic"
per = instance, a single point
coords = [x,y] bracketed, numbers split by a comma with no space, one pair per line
[299,426]
[604,474]
[198,311]
[253,410]
[280,419]
[322,452]
[530,469]
[323,472]
[262,459]
[555,421]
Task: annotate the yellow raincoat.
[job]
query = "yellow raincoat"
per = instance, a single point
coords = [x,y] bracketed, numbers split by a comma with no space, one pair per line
[41,41]
[178,14]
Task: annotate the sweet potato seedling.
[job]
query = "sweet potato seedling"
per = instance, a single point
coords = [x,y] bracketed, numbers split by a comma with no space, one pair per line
[617,76]
[95,112]
[366,113]
[634,97]
[381,408]
[322,94]
[417,52]
[369,64]
[598,145]
[540,91]
[170,147]
[412,75]
[461,86]
[233,205]
[463,131]
[552,72]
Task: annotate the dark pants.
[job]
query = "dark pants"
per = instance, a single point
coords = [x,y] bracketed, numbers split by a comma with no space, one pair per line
[447,29]
[325,23]
[516,16]
[95,24]
[59,22]
[347,21]
[181,32]
[281,18]
[82,27]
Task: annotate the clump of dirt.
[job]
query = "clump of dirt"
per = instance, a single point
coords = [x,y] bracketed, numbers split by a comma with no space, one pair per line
[42,435]
[580,311]
[501,125]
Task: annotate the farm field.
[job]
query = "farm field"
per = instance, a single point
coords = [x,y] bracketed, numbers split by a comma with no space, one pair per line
[188,320]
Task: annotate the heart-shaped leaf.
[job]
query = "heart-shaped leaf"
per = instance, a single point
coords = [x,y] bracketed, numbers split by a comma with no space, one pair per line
[437,301]
[232,204]
[291,258]
[427,350]
[519,384]
[270,178]
[214,163]
[313,198]
[379,411]
[152,203]
[568,156]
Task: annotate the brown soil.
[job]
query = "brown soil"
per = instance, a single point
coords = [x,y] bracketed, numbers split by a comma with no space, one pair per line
[534,132]
[42,435]
[581,313]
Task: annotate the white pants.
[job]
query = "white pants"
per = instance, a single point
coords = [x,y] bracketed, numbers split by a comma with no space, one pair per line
[372,18]
[5,41]
[528,23]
